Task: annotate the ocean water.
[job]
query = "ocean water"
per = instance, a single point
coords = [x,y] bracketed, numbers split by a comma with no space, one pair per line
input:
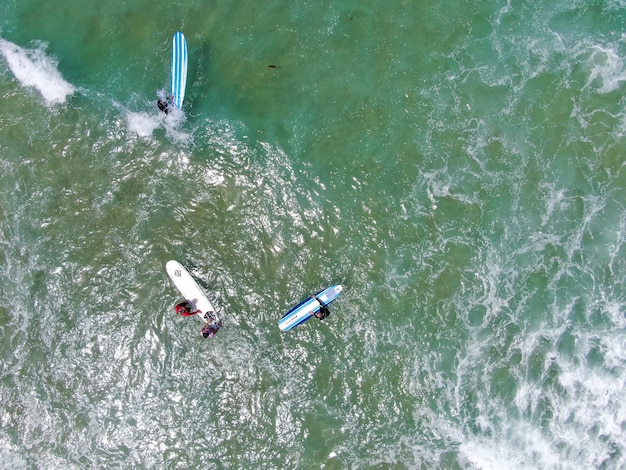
[457,166]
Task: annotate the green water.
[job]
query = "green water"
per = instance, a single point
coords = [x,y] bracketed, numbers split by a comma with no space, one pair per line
[457,166]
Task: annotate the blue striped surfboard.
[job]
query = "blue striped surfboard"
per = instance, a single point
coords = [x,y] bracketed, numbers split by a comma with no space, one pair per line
[305,309]
[179,68]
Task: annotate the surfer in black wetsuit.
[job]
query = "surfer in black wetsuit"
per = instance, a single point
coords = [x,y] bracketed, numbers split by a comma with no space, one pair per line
[210,328]
[165,105]
[162,106]
[323,312]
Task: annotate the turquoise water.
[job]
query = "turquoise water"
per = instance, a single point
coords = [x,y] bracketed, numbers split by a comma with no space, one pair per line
[457,166]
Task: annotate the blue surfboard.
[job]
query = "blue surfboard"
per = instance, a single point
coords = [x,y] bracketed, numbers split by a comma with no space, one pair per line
[308,307]
[179,68]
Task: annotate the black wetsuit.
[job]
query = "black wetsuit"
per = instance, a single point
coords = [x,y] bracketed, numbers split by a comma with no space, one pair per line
[208,331]
[163,106]
[323,312]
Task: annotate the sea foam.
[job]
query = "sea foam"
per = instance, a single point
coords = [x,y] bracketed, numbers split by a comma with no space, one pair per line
[608,67]
[33,68]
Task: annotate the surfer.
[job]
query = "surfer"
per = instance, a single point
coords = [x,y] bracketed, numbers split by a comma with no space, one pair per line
[184,309]
[162,106]
[210,328]
[323,312]
[165,105]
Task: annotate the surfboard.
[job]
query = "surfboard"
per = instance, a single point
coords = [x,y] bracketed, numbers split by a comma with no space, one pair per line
[308,307]
[191,291]
[179,68]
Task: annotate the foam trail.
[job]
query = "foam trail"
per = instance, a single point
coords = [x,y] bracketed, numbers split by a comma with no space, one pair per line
[141,123]
[609,67]
[32,68]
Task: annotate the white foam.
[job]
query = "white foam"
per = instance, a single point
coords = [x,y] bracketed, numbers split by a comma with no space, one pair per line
[33,68]
[531,449]
[608,67]
[142,124]
[172,124]
[550,418]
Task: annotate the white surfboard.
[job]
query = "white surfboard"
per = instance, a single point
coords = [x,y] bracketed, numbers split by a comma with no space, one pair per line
[191,291]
